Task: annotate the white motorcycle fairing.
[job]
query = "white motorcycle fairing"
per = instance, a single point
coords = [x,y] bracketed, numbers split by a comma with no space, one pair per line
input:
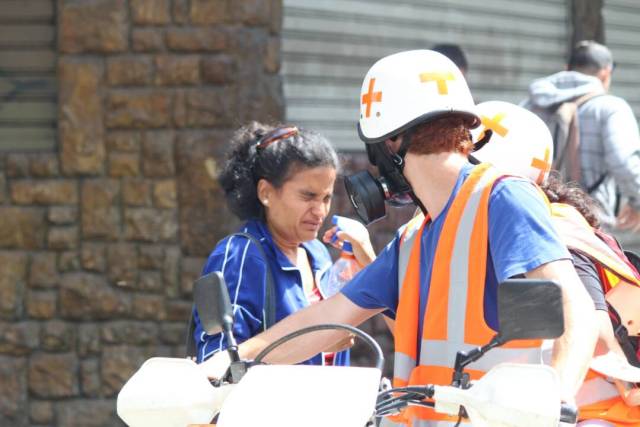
[509,395]
[169,392]
[302,395]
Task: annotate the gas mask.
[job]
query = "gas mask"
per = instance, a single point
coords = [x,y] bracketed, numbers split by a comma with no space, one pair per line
[369,194]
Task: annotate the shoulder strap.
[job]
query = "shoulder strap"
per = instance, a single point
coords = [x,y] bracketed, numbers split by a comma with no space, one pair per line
[270,297]
[587,97]
[567,158]
[269,303]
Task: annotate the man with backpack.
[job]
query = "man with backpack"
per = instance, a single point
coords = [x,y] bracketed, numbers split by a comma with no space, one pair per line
[596,140]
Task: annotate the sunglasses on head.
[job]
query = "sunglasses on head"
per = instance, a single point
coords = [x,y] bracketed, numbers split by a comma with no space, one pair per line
[276,135]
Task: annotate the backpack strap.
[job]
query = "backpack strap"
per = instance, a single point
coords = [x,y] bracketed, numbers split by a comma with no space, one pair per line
[270,297]
[568,152]
[269,301]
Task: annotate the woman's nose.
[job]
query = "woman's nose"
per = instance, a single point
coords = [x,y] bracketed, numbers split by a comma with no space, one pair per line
[319,209]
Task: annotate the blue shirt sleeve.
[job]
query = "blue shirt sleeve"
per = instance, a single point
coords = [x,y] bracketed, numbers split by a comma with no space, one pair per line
[244,272]
[521,232]
[376,286]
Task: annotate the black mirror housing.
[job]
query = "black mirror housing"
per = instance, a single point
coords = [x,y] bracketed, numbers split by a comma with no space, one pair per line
[213,304]
[530,309]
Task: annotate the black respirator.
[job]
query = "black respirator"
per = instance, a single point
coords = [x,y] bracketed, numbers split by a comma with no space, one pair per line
[368,194]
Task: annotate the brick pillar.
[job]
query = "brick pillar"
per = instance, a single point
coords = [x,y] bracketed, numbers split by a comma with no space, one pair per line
[101,240]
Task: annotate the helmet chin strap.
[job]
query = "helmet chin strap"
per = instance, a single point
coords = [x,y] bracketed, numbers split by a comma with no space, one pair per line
[404,144]
[402,152]
[483,141]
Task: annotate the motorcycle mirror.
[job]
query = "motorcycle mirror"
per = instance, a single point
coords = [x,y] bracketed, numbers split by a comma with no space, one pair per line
[213,304]
[529,309]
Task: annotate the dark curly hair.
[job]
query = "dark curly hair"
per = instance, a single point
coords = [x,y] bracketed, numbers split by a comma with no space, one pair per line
[570,194]
[245,166]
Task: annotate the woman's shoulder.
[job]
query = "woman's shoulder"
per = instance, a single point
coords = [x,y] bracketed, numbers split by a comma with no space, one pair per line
[238,248]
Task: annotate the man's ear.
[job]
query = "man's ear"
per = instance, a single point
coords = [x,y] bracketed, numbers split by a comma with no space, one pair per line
[604,75]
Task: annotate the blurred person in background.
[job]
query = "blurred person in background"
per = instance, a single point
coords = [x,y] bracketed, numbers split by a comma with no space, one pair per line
[595,134]
[455,53]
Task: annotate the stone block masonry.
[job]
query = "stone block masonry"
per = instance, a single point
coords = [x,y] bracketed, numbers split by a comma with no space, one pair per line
[101,239]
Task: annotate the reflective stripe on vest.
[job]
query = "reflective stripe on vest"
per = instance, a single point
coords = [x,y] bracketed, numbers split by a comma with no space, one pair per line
[407,238]
[454,316]
[577,234]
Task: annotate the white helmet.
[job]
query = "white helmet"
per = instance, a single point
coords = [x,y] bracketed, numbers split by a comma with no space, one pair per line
[521,143]
[408,88]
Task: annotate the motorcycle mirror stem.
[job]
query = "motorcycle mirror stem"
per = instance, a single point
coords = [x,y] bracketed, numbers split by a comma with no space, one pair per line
[464,358]
[212,301]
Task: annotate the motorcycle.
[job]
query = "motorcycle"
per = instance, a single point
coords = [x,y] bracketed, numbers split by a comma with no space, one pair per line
[174,392]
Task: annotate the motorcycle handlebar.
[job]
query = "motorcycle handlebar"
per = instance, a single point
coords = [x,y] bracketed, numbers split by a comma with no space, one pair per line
[415,394]
[568,413]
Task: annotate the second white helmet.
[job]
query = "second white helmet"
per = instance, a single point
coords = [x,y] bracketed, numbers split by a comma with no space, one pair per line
[408,88]
[521,143]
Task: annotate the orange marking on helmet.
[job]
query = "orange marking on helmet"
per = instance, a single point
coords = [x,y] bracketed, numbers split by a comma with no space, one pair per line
[370,97]
[543,165]
[440,79]
[494,124]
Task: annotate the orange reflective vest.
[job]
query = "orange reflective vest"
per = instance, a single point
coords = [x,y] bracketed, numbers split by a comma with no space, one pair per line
[597,397]
[578,235]
[454,315]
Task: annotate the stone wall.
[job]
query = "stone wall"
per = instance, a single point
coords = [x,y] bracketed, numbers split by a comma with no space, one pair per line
[101,240]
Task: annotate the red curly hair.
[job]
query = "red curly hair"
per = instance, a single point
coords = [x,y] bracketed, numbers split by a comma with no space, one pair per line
[445,134]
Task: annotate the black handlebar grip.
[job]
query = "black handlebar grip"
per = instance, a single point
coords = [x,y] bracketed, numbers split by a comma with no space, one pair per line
[568,413]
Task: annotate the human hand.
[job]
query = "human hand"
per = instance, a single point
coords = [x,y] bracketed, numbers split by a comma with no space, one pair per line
[360,242]
[633,397]
[216,366]
[628,219]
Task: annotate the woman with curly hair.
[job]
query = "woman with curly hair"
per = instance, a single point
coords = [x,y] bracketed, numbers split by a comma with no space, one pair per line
[279,180]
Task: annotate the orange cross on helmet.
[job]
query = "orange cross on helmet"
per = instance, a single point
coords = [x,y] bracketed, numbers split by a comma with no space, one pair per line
[494,124]
[543,165]
[370,97]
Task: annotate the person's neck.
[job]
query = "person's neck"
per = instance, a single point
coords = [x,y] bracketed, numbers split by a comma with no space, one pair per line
[432,177]
[289,248]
